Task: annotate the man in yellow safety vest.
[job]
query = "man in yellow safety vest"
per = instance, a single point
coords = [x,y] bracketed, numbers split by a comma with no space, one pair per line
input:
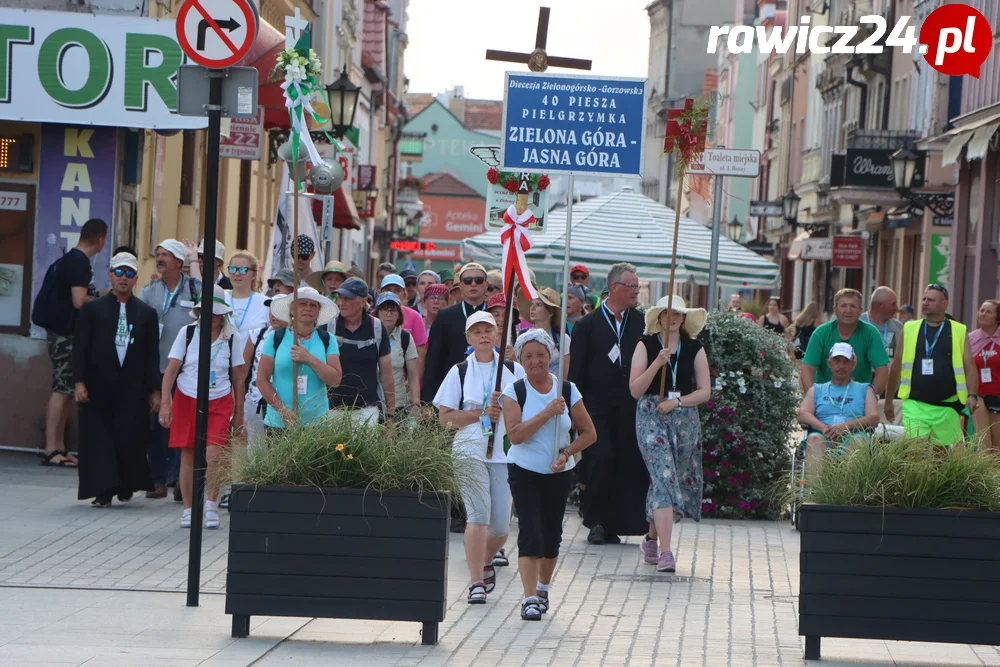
[935,372]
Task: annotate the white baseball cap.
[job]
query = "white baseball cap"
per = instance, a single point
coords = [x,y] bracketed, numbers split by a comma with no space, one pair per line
[481,316]
[175,248]
[842,350]
[125,259]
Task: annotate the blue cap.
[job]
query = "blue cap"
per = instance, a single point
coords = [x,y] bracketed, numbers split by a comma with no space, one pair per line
[353,288]
[393,279]
[388,297]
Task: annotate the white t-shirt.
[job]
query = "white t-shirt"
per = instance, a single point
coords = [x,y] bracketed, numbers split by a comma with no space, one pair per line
[253,394]
[187,380]
[123,334]
[538,452]
[248,314]
[469,441]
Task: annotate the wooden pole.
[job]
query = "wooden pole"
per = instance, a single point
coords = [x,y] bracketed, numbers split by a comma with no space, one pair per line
[673,268]
[295,273]
[504,337]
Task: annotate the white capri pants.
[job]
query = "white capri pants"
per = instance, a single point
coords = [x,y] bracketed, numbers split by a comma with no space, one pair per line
[486,494]
[254,424]
[366,416]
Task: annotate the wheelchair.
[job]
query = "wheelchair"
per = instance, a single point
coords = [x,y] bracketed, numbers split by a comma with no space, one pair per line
[882,432]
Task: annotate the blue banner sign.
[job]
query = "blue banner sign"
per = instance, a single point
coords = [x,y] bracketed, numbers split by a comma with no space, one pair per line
[573,124]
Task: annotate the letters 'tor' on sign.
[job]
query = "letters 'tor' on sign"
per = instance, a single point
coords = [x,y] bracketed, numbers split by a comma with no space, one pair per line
[216,33]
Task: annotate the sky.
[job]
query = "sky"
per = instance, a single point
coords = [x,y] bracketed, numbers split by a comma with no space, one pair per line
[449,38]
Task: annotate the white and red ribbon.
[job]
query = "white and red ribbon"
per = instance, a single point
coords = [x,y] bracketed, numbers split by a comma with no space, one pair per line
[516,241]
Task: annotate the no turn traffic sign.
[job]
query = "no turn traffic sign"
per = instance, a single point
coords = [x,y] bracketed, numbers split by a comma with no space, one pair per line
[216,33]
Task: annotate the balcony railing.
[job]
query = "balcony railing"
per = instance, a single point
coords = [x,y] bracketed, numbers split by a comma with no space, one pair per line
[882,139]
[411,146]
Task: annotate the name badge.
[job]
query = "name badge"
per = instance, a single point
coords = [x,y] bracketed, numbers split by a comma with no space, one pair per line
[211,379]
[484,421]
[302,384]
[186,304]
[927,367]
[615,354]
[673,395]
[985,375]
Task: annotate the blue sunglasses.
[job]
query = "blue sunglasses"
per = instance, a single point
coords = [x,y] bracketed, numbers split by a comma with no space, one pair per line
[242,270]
[128,273]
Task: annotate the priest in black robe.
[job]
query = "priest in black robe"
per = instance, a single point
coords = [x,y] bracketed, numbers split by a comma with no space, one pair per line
[613,473]
[116,371]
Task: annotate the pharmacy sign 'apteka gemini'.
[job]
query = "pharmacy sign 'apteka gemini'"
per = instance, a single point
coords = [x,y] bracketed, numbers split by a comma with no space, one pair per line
[579,124]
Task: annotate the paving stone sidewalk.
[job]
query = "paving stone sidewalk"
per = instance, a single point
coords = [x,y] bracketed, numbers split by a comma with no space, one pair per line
[102,587]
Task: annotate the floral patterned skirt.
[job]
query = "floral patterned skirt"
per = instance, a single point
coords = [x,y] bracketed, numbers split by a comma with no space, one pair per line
[671,448]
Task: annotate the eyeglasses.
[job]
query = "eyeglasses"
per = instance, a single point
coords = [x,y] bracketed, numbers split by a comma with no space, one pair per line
[631,286]
[939,288]
[410,282]
[305,257]
[579,276]
[477,280]
[128,273]
[242,270]
[492,288]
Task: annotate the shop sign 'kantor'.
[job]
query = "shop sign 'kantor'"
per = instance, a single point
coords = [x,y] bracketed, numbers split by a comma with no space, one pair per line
[91,69]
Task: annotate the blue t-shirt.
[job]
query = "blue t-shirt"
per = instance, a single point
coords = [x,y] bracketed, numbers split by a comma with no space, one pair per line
[313,404]
[538,452]
[836,405]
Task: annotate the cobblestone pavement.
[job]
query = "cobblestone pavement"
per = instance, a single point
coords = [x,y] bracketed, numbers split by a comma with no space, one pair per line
[732,601]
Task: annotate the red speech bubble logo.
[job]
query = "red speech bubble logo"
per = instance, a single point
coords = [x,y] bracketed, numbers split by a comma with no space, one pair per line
[956,40]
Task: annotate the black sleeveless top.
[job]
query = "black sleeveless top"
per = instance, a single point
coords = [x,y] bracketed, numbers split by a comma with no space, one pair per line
[778,328]
[686,381]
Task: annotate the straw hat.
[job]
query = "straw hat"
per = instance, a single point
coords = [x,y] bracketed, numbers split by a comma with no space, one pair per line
[315,279]
[693,324]
[327,309]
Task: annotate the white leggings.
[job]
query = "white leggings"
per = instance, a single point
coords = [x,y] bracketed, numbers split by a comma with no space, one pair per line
[486,494]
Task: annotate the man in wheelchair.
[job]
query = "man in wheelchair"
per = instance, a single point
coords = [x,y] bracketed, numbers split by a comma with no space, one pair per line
[838,412]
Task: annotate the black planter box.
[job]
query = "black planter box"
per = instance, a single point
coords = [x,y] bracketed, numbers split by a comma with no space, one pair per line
[338,553]
[904,574]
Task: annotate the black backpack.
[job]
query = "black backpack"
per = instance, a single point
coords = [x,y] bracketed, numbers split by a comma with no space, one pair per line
[253,357]
[50,311]
[463,368]
[521,392]
[189,336]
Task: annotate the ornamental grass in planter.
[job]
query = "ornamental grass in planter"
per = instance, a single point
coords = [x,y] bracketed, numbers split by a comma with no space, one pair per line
[340,519]
[901,540]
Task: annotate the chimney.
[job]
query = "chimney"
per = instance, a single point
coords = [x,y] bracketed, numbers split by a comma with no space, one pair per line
[456,103]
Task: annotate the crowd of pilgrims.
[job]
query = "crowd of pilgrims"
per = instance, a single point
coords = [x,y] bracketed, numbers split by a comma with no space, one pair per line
[620,426]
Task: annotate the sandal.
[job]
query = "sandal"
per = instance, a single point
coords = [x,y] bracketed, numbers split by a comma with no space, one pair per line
[489,577]
[66,462]
[543,600]
[477,593]
[530,611]
[500,560]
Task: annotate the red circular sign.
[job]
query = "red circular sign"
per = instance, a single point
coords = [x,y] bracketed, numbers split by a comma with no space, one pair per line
[205,34]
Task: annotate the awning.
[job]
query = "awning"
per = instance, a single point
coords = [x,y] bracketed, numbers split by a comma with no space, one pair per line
[795,249]
[627,226]
[953,151]
[980,141]
[263,56]
[961,135]
[345,213]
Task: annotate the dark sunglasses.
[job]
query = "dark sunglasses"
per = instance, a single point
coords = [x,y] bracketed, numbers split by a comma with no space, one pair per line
[492,288]
[128,273]
[410,282]
[939,288]
[242,270]
[579,276]
[477,280]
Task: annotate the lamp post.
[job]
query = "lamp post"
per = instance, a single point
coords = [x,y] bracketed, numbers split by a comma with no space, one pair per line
[735,229]
[342,96]
[904,168]
[790,207]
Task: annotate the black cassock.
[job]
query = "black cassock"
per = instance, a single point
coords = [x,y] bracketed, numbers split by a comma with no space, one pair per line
[613,471]
[114,422]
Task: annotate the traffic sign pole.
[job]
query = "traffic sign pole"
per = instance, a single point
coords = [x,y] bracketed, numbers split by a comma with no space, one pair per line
[713,267]
[205,339]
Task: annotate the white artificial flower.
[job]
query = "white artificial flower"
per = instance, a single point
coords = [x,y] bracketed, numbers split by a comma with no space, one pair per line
[777,385]
[743,389]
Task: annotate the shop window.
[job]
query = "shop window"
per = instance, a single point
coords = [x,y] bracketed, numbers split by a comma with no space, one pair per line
[188,157]
[17,234]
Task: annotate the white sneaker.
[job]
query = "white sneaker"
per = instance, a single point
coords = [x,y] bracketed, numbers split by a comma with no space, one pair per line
[186,519]
[211,518]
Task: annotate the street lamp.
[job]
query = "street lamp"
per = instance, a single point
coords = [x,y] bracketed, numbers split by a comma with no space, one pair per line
[735,229]
[342,96]
[904,167]
[790,206]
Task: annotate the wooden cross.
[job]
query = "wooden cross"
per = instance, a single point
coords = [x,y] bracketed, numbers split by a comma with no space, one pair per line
[538,60]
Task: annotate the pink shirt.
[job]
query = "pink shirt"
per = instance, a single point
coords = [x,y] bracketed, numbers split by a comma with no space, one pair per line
[414,323]
[979,341]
